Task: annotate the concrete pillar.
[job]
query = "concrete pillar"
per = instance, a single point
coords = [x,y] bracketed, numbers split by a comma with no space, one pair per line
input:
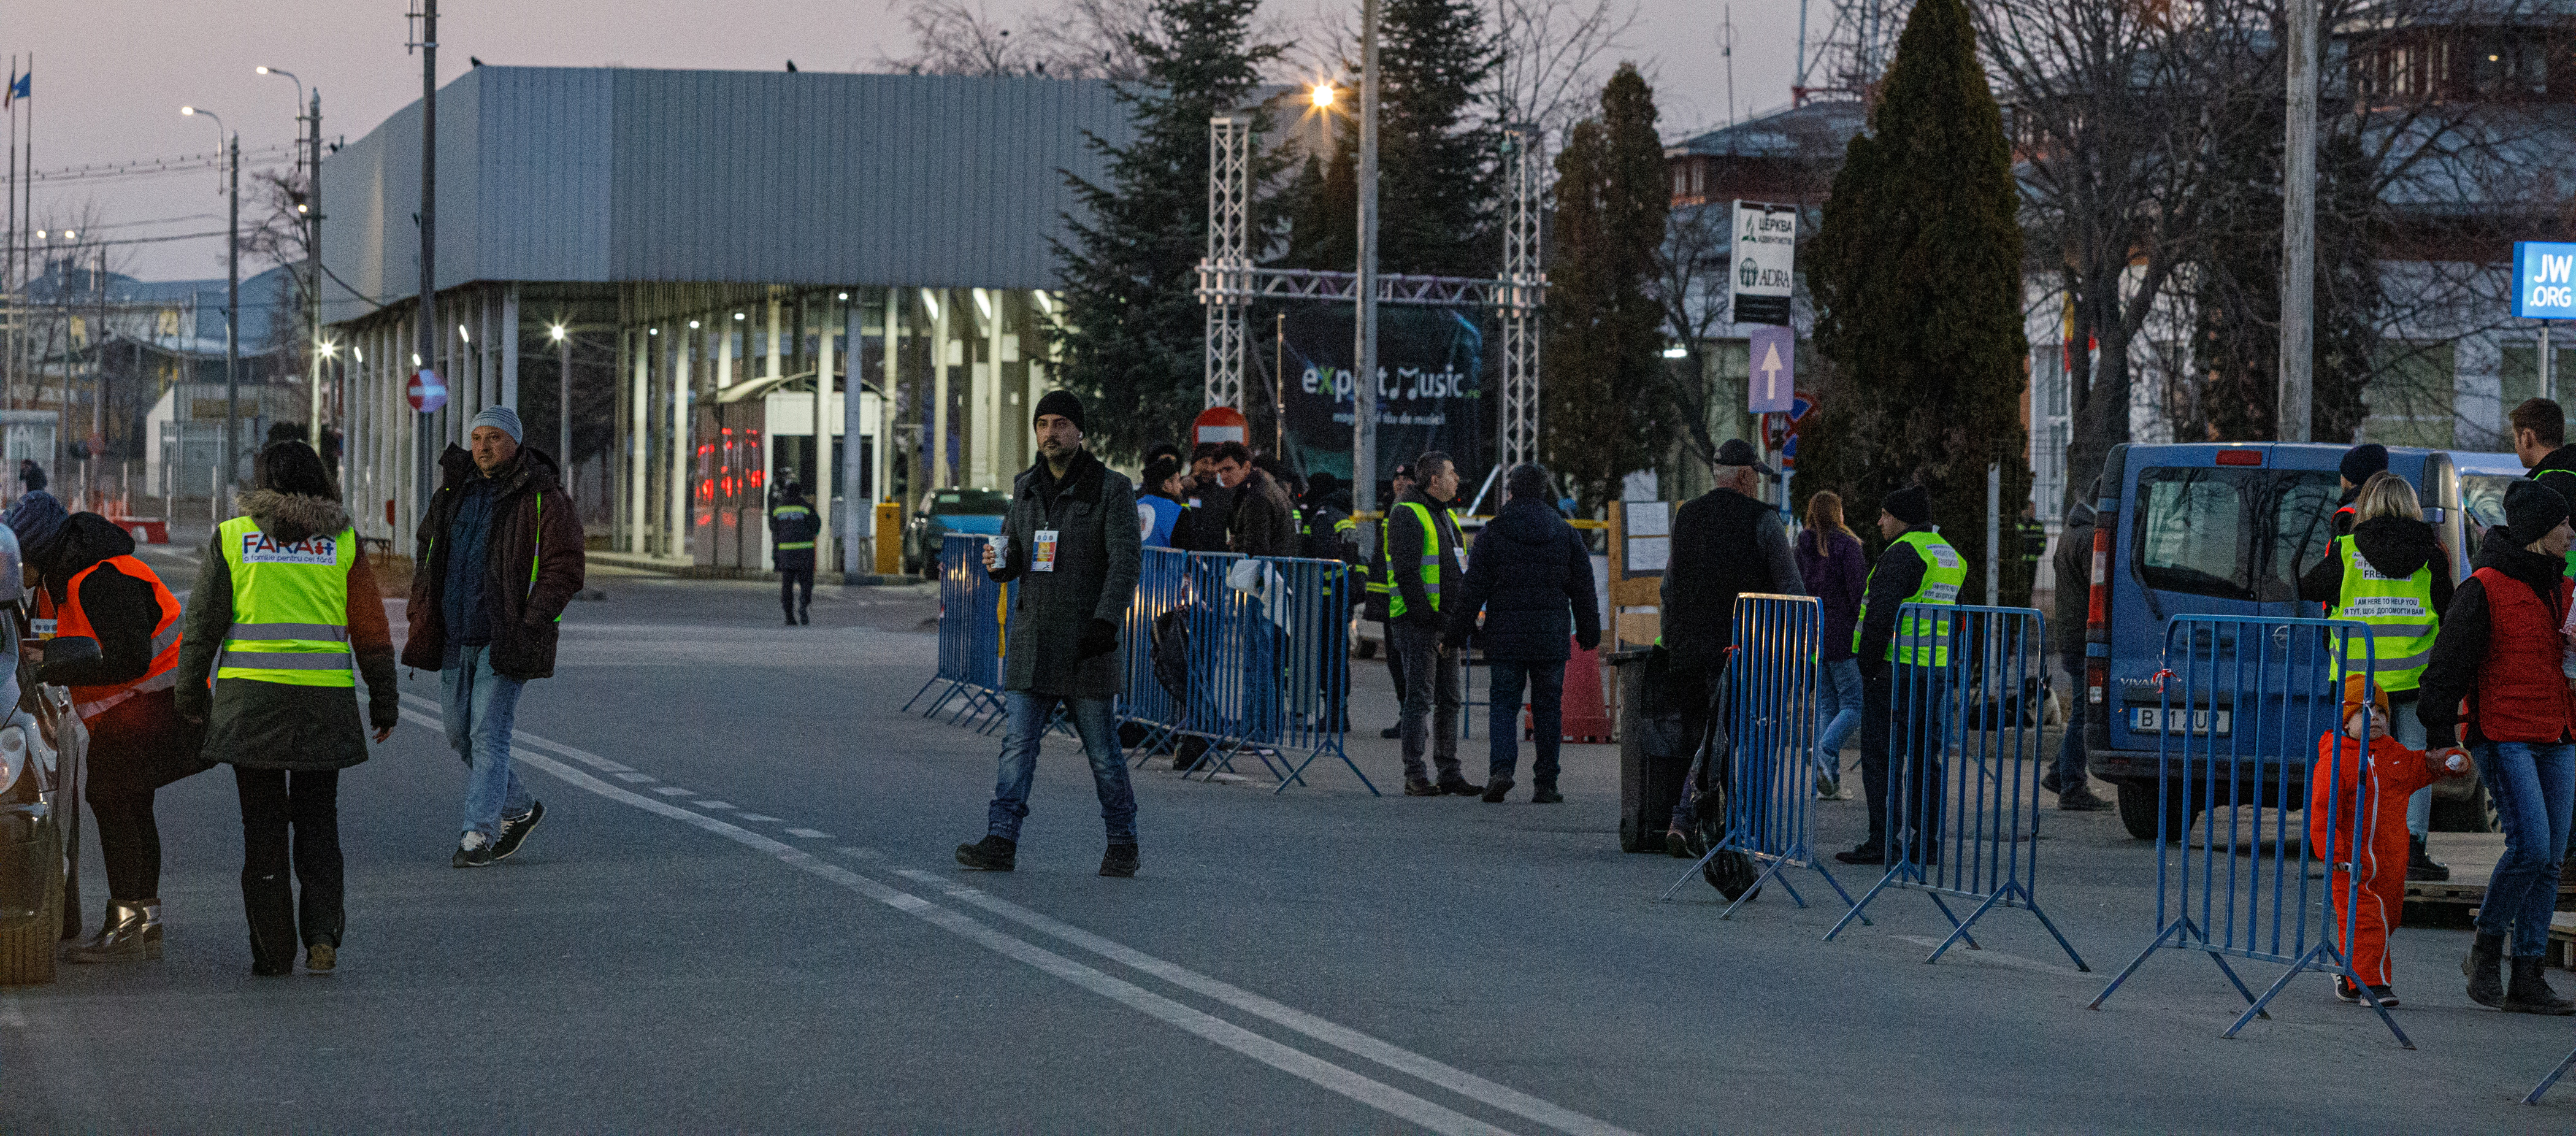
[678,542]
[639,403]
[823,483]
[777,345]
[987,392]
[855,511]
[939,473]
[893,348]
[509,333]
[727,328]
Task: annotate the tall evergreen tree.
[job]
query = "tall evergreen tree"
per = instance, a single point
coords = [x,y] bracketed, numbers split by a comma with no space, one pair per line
[1917,275]
[1438,178]
[1602,327]
[1133,335]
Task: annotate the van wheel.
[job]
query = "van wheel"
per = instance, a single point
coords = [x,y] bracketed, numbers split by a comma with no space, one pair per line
[2138,809]
[27,950]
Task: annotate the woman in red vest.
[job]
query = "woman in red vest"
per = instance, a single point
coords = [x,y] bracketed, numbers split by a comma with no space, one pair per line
[2502,654]
[122,692]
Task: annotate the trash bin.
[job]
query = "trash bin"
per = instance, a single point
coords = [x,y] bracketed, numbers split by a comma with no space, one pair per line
[1654,758]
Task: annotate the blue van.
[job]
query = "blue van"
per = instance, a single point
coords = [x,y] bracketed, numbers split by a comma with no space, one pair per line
[2221,529]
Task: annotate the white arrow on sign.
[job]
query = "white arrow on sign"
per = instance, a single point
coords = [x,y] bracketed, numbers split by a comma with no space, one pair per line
[1771,368]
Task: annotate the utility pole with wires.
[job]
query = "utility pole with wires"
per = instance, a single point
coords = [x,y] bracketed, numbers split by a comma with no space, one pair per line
[1364,357]
[428,45]
[2299,226]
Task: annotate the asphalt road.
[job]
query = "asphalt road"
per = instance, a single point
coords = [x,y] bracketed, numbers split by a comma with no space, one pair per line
[742,914]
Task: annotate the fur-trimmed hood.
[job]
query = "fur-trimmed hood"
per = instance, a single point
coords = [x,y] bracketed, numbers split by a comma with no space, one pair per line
[290,517]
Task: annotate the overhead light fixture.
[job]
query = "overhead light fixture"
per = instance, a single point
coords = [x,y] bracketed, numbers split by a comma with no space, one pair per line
[555,332]
[461,334]
[356,354]
[1676,353]
[693,325]
[652,331]
[1323,96]
[845,295]
[415,358]
[737,316]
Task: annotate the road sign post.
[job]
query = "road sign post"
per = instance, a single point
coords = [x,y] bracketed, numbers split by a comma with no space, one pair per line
[1765,252]
[2544,289]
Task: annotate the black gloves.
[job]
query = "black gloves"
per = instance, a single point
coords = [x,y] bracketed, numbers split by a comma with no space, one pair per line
[1099,638]
[1588,640]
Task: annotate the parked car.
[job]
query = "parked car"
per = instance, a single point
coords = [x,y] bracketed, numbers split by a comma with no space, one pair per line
[2227,529]
[42,746]
[944,511]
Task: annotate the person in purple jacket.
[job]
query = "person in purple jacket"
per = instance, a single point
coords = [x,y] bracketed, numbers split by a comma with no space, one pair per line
[1830,558]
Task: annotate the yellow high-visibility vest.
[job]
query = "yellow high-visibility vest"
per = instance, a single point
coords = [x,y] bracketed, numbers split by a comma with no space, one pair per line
[290,607]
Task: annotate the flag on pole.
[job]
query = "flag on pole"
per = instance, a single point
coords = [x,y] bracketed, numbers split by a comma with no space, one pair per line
[17,88]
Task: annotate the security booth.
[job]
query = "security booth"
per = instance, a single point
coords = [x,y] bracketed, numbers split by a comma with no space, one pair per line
[751,438]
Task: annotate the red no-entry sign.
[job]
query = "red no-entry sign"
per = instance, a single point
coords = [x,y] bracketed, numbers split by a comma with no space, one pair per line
[426,391]
[1219,424]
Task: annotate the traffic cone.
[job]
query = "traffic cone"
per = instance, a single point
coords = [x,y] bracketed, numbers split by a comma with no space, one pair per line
[1587,715]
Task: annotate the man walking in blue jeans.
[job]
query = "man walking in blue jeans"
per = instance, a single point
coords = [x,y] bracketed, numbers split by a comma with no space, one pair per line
[498,555]
[1529,572]
[1071,542]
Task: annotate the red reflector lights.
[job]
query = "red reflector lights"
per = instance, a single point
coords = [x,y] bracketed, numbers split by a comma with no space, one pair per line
[2240,457]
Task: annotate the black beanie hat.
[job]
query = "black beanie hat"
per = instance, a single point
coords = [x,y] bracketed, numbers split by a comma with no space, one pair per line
[1060,402]
[2363,460]
[2531,510]
[1912,505]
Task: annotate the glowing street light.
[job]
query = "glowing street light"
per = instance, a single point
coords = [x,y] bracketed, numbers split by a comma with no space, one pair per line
[1323,96]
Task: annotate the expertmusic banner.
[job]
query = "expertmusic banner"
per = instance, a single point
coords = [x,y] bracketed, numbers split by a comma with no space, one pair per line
[1430,363]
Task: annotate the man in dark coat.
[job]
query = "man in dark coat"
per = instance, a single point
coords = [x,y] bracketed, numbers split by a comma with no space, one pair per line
[2074,564]
[1532,578]
[1073,548]
[1422,553]
[793,524]
[1725,543]
[1263,520]
[498,555]
[2356,467]
[1379,591]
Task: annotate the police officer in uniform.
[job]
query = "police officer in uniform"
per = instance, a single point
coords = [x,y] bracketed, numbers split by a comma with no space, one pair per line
[792,528]
[1903,658]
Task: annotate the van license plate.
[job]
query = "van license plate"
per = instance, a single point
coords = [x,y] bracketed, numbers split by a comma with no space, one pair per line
[2156,720]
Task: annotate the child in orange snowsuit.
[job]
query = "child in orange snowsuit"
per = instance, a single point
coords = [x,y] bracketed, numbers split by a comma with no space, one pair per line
[2379,803]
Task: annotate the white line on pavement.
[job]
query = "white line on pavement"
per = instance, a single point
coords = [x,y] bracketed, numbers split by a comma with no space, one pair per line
[673,791]
[809,834]
[760,818]
[1455,1080]
[1295,1062]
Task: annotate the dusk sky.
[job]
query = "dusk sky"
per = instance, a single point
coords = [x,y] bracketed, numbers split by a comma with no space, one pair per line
[111,75]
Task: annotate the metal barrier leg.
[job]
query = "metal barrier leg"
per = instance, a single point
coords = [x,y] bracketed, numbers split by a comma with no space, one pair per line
[2551,1079]
[1961,931]
[916,695]
[2051,925]
[2167,933]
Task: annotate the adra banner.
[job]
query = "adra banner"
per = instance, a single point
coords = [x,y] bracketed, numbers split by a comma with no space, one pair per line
[1429,364]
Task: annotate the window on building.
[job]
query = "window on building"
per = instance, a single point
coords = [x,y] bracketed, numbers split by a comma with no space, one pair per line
[2411,395]
[2518,373]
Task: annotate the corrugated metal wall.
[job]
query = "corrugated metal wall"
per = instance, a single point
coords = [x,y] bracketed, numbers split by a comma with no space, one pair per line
[602,175]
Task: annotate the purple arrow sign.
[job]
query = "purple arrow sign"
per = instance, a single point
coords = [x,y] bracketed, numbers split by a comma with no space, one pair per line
[1774,384]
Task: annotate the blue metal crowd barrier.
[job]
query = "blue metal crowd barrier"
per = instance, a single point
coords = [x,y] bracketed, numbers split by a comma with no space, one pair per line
[2245,701]
[972,610]
[1769,691]
[1970,837]
[1267,676]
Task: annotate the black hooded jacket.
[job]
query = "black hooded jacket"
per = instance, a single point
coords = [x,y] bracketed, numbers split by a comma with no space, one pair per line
[2396,546]
[122,609]
[1528,572]
[2461,647]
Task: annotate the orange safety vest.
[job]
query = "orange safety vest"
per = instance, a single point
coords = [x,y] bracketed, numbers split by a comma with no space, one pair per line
[91,701]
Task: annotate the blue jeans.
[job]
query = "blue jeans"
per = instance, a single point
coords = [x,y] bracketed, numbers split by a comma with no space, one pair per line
[1546,681]
[1838,702]
[478,707]
[2409,732]
[2070,746]
[2532,787]
[1029,716]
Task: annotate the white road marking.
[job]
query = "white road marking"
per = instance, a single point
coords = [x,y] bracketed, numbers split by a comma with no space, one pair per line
[760,818]
[809,833]
[711,804]
[1998,958]
[1455,1080]
[1295,1062]
[673,791]
[636,778]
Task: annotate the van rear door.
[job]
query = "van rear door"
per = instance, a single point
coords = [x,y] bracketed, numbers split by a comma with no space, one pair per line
[2209,530]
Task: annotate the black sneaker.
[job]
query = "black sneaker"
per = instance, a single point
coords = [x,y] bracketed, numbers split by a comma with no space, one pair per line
[1496,789]
[2420,866]
[1865,854]
[791,621]
[2048,781]
[1391,733]
[1119,861]
[1417,787]
[991,854]
[1546,797]
[515,830]
[2080,799]
[472,851]
[1460,787]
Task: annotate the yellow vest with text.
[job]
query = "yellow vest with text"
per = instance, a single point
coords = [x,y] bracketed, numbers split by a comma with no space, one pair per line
[1922,640]
[2399,613]
[290,607]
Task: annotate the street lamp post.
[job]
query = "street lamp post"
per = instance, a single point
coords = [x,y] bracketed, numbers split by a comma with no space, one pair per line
[562,336]
[310,211]
[1364,381]
[231,145]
